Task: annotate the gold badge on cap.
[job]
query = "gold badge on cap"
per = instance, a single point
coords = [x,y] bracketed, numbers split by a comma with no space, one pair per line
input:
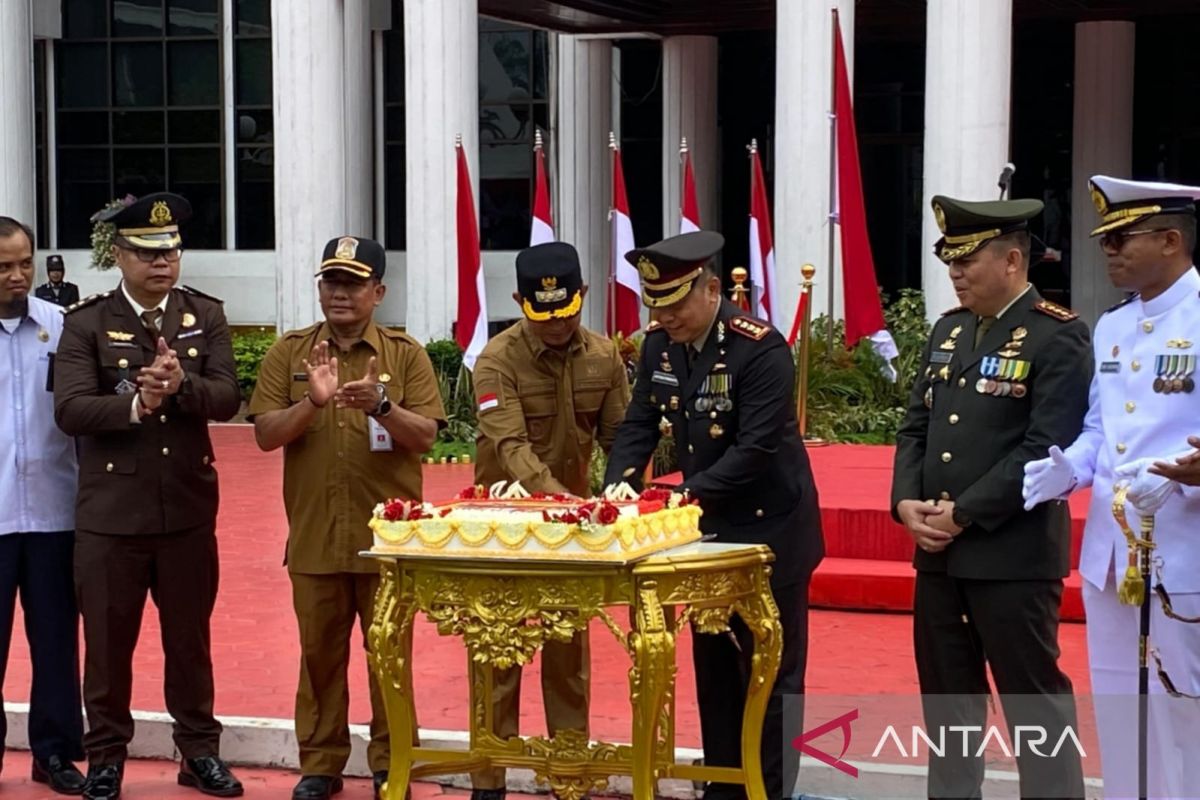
[160,214]
[347,247]
[939,216]
[1098,199]
[189,319]
[646,269]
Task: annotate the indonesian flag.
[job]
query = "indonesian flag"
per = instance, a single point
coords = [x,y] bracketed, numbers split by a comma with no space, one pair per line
[471,328]
[542,230]
[864,312]
[624,299]
[689,209]
[762,247]
[801,310]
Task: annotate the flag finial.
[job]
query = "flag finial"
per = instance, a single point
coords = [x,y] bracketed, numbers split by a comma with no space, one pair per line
[753,146]
[683,148]
[537,138]
[458,140]
[612,140]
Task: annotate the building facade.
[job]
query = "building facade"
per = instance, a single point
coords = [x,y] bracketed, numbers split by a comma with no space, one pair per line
[292,121]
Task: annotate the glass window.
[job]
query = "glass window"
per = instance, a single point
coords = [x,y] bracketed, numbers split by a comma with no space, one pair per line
[140,109]
[394,213]
[39,128]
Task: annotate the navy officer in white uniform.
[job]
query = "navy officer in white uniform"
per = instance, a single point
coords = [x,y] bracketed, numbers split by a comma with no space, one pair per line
[1142,406]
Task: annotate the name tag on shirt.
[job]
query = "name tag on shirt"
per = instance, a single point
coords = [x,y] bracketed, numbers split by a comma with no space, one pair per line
[1110,366]
[940,357]
[381,440]
[664,377]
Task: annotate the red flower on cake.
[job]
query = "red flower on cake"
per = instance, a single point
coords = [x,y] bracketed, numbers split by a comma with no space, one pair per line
[606,514]
[652,494]
[565,517]
[477,492]
[395,510]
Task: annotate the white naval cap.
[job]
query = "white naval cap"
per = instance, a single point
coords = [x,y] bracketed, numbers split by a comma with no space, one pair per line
[1122,202]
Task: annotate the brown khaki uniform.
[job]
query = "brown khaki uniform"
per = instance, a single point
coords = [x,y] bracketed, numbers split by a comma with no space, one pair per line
[331,483]
[147,507]
[551,407]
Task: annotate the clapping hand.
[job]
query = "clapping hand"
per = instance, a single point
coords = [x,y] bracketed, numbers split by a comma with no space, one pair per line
[1184,469]
[363,393]
[322,372]
[1148,491]
[162,378]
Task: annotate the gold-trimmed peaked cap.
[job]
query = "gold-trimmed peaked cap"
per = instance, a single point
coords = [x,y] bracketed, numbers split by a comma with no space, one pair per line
[968,225]
[361,257]
[669,268]
[150,222]
[550,281]
[1121,203]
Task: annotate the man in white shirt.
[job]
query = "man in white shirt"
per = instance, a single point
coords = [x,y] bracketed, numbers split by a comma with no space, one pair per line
[37,517]
[1142,406]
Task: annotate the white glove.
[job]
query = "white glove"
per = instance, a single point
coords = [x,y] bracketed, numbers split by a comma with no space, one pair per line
[1147,492]
[1048,478]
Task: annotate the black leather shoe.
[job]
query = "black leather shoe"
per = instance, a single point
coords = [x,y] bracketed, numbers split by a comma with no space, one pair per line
[103,782]
[317,787]
[60,774]
[488,794]
[210,775]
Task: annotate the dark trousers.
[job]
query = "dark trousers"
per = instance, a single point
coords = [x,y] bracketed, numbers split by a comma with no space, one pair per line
[962,627]
[326,609]
[112,576]
[38,565]
[722,679]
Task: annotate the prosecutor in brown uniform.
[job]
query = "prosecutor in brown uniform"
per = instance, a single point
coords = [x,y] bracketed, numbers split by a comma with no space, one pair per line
[548,390]
[140,371]
[353,403]
[1005,376]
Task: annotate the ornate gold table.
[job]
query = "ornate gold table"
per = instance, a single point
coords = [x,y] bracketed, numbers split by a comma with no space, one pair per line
[505,611]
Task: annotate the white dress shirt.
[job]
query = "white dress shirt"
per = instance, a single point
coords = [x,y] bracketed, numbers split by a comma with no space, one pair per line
[38,472]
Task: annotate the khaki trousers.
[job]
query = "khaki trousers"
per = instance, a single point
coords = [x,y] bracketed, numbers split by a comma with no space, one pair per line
[566,676]
[326,607]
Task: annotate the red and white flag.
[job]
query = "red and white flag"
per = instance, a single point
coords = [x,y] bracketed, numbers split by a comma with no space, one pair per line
[624,297]
[471,328]
[762,246]
[542,229]
[689,209]
[801,310]
[864,311]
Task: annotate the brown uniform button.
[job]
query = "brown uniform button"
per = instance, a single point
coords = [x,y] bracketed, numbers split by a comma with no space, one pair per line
[947,457]
[193,352]
[123,363]
[945,495]
[204,461]
[108,467]
[341,423]
[954,419]
[962,382]
[691,449]
[758,512]
[166,451]
[163,418]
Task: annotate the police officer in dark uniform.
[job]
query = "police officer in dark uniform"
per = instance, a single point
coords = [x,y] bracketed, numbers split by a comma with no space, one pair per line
[721,384]
[56,290]
[1004,377]
[140,370]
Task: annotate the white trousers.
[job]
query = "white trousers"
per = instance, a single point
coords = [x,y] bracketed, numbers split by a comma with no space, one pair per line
[1174,723]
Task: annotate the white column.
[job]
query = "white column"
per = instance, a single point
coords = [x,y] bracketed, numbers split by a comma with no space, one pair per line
[689,65]
[17,187]
[1103,144]
[583,161]
[803,102]
[441,85]
[318,195]
[358,101]
[967,102]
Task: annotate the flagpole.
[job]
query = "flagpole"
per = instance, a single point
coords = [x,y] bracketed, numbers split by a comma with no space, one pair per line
[611,311]
[807,271]
[832,170]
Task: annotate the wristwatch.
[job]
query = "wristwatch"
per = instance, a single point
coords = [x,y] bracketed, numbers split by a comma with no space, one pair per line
[385,405]
[961,519]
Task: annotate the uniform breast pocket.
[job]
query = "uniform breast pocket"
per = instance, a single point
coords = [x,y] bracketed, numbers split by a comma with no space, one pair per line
[296,395]
[589,395]
[193,352]
[539,410]
[119,368]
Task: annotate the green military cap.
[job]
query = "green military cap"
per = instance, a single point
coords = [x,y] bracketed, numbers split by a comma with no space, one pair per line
[1123,202]
[967,225]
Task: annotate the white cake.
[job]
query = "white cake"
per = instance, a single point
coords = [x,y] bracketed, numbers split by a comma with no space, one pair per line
[508,523]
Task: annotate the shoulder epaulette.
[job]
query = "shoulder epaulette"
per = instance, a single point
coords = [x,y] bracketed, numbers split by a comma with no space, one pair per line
[653,326]
[1124,302]
[87,301]
[1055,310]
[750,328]
[199,293]
[300,333]
[397,333]
[954,310]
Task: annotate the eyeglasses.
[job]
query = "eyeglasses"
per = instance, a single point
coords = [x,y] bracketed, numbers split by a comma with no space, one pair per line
[150,256]
[1115,240]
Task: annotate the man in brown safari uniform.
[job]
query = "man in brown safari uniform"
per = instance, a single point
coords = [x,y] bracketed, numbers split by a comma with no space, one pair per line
[354,404]
[547,390]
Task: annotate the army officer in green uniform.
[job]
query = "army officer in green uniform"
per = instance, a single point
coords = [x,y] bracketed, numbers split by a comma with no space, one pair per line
[721,383]
[1004,377]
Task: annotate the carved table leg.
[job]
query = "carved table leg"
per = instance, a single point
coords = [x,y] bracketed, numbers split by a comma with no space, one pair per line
[651,682]
[762,617]
[390,640]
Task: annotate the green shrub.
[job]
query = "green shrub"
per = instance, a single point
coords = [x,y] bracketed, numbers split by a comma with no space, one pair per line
[249,347]
[458,399]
